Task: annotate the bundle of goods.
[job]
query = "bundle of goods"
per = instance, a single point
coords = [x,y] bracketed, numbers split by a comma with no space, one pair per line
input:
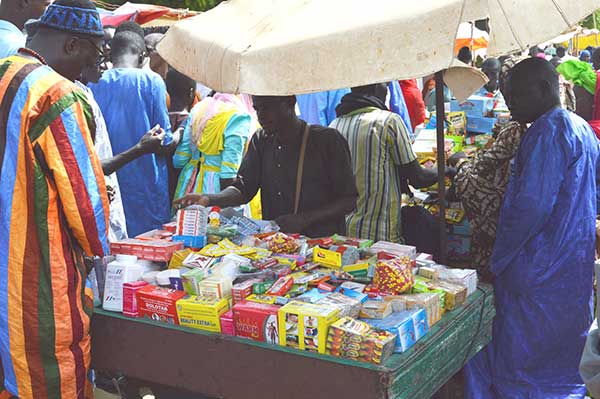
[283,289]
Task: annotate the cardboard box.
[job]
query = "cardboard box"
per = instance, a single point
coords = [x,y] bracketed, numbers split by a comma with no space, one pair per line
[305,325]
[375,310]
[192,221]
[401,324]
[160,251]
[243,290]
[336,256]
[429,302]
[348,306]
[215,287]
[192,279]
[158,303]
[454,295]
[130,307]
[202,313]
[256,321]
[480,124]
[419,317]
[227,323]
[477,106]
[356,340]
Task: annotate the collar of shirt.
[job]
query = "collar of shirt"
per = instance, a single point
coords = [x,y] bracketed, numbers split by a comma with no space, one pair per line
[10,27]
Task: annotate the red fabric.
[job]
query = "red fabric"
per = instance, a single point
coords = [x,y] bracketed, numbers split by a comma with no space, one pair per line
[595,122]
[414,101]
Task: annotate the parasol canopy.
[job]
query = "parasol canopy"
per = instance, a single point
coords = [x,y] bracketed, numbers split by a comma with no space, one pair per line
[282,47]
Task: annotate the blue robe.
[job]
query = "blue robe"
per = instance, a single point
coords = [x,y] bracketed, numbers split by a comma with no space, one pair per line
[543,260]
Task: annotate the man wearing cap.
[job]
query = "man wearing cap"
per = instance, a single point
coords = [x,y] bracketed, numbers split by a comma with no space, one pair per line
[53,207]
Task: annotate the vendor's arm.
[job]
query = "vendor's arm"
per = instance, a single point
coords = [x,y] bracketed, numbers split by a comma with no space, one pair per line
[343,187]
[160,116]
[533,193]
[242,191]
[149,143]
[403,156]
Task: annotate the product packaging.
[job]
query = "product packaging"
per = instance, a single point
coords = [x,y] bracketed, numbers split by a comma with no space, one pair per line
[130,307]
[454,295]
[202,313]
[357,340]
[348,306]
[375,310]
[227,323]
[191,280]
[242,290]
[430,302]
[402,324]
[159,251]
[305,326]
[394,276]
[158,303]
[256,321]
[215,287]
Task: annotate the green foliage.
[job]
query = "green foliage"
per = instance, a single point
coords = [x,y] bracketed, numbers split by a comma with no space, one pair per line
[195,5]
[589,21]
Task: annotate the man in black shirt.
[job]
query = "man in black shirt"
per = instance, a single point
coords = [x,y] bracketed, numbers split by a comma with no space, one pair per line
[328,191]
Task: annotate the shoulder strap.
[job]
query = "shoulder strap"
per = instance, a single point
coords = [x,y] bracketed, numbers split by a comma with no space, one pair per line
[301,169]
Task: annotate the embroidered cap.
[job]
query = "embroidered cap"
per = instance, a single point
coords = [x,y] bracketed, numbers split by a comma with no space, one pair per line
[73,19]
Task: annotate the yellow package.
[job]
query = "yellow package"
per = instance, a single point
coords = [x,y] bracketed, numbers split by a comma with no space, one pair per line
[178,258]
[327,258]
[305,325]
[201,313]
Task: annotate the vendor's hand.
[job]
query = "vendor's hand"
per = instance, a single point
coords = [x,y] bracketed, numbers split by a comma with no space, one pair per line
[192,199]
[151,142]
[291,223]
[454,159]
[110,191]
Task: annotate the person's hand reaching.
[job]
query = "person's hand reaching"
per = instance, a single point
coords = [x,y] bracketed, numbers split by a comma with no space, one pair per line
[151,142]
[192,199]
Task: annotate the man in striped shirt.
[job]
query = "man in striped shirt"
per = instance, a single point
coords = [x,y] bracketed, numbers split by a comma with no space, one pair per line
[53,207]
[382,158]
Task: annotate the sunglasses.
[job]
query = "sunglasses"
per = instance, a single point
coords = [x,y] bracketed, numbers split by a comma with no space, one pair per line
[101,55]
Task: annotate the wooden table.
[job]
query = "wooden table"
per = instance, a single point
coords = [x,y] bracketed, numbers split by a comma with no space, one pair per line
[218,366]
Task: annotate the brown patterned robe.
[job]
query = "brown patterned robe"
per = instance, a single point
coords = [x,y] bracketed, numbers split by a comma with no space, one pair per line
[480,184]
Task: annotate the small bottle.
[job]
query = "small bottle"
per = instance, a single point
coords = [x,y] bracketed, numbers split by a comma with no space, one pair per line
[214,217]
[123,270]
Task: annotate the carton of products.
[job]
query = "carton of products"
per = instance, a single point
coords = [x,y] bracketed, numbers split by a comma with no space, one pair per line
[463,277]
[192,221]
[419,317]
[158,303]
[348,306]
[430,302]
[202,313]
[227,324]
[336,256]
[401,324]
[192,279]
[454,295]
[351,241]
[242,290]
[356,340]
[305,325]
[215,287]
[375,310]
[130,307]
[256,321]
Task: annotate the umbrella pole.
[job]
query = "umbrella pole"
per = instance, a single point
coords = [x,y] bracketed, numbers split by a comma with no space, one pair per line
[441,159]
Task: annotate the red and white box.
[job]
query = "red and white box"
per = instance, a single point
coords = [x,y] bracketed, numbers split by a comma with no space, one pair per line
[158,303]
[192,221]
[158,251]
[256,321]
[243,290]
[130,307]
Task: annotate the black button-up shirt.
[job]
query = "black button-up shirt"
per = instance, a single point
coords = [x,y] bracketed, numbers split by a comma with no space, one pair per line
[272,167]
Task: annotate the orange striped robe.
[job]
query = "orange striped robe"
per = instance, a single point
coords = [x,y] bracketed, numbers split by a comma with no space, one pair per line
[53,209]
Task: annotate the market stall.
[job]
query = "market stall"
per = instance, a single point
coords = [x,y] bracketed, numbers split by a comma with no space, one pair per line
[227,367]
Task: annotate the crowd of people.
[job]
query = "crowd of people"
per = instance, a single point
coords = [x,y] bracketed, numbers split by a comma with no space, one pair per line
[100,140]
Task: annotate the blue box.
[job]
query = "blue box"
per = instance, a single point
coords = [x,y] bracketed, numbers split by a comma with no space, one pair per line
[477,106]
[191,241]
[401,324]
[480,124]
[419,317]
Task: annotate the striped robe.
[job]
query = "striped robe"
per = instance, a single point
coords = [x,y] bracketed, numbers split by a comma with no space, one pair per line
[53,209]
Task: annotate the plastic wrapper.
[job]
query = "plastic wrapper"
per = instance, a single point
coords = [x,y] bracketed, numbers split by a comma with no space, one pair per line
[393,276]
[280,243]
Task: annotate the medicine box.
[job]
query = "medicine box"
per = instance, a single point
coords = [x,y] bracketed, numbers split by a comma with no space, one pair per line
[305,325]
[256,321]
[202,313]
[158,303]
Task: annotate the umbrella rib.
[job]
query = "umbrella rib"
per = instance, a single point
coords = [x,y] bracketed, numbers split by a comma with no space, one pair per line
[562,13]
[510,25]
